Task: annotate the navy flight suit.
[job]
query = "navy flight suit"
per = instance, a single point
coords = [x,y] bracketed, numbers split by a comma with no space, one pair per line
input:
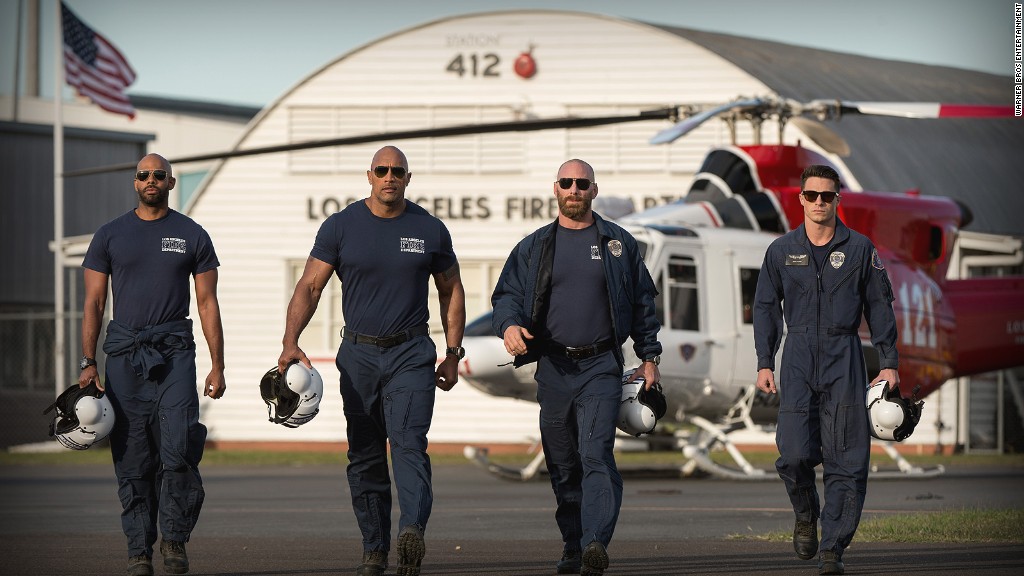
[822,385]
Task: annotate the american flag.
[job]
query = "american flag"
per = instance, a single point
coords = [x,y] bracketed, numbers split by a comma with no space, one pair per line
[95,67]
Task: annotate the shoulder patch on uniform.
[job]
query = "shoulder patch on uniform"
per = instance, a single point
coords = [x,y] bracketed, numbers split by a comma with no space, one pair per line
[876,261]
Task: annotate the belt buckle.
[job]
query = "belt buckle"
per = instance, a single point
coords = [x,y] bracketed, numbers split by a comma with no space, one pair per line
[577,353]
[392,340]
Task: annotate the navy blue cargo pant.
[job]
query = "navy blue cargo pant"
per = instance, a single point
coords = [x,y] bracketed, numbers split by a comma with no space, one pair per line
[579,404]
[388,395]
[156,444]
[823,420]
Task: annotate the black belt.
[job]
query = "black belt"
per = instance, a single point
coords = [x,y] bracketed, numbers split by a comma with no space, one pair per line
[385,341]
[579,352]
[822,330]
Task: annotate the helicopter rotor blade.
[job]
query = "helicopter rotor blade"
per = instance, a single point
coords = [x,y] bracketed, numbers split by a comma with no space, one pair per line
[686,126]
[837,108]
[822,135]
[436,132]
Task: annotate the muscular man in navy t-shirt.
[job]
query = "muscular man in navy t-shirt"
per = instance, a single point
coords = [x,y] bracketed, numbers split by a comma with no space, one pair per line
[384,265]
[384,250]
[157,442]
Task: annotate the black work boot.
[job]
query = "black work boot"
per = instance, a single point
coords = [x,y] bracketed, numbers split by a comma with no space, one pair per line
[175,558]
[570,563]
[595,559]
[830,563]
[411,550]
[374,563]
[140,565]
[805,539]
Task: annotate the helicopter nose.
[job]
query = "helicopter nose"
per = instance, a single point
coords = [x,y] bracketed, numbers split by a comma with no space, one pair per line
[485,357]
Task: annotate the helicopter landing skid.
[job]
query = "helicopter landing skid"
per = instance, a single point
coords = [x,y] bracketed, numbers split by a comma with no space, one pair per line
[478,455]
[906,469]
[697,454]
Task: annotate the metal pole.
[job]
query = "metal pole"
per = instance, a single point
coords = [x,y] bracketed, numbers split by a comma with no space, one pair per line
[59,357]
[17,64]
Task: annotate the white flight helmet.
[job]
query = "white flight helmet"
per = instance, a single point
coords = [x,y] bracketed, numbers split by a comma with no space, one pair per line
[84,417]
[891,416]
[292,398]
[640,409]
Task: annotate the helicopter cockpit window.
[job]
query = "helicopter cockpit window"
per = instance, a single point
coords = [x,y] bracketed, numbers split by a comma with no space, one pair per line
[729,206]
[732,169]
[684,311]
[480,327]
[748,285]
[704,190]
[732,213]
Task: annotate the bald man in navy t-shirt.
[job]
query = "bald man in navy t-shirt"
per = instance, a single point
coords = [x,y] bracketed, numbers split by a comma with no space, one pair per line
[147,257]
[384,250]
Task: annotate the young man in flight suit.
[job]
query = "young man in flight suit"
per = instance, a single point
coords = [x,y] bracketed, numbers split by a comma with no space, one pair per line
[827,275]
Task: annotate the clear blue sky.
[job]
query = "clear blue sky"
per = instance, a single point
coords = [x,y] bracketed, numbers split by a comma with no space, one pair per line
[251,51]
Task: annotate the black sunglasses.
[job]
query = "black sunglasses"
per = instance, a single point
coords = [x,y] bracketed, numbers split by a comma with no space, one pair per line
[566,183]
[143,175]
[812,196]
[382,171]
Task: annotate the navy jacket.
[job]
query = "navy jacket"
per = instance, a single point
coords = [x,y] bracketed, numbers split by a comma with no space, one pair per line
[823,303]
[521,294]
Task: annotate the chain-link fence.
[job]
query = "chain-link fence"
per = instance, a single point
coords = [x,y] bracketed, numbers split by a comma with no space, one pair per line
[28,373]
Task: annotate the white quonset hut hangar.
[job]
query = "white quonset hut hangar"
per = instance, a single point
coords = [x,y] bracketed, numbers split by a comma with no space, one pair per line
[491,190]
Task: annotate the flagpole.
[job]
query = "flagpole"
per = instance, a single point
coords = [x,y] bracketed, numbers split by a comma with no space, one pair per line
[59,359]
[17,65]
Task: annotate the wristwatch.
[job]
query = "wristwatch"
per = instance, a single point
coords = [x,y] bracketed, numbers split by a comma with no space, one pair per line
[85,362]
[655,359]
[457,351]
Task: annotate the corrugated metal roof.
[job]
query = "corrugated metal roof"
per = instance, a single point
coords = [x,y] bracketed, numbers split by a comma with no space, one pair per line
[979,162]
[195,107]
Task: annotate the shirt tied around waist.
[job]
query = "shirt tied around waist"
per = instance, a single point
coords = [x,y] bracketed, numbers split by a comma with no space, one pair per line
[144,345]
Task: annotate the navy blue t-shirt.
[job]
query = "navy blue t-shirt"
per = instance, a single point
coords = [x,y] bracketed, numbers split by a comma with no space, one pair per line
[384,265]
[819,253]
[579,313]
[149,263]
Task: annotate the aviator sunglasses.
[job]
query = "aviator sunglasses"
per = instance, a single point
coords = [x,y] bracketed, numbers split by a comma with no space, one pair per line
[143,175]
[812,196]
[382,171]
[566,183]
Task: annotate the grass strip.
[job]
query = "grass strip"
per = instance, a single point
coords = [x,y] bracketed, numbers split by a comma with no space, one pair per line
[969,525]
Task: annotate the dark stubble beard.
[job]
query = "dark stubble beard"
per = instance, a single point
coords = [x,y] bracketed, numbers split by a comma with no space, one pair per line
[576,210]
[159,200]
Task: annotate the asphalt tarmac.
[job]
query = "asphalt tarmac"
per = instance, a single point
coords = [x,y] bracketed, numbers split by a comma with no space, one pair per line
[270,521]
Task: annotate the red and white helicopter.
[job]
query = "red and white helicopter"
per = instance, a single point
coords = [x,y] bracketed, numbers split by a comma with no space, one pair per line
[705,254]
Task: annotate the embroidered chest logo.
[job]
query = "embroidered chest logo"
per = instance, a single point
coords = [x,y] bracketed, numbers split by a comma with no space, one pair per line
[595,252]
[413,245]
[615,247]
[836,259]
[172,245]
